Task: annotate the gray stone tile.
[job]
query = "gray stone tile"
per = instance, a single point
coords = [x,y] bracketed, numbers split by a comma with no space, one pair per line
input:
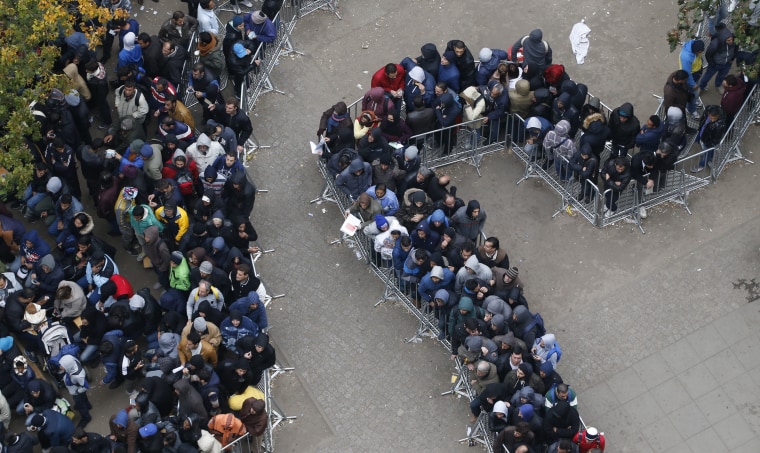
[750,447]
[596,401]
[671,395]
[732,327]
[626,385]
[734,431]
[716,405]
[680,356]
[635,443]
[689,420]
[680,448]
[747,351]
[642,409]
[738,389]
[751,413]
[706,341]
[724,366]
[662,435]
[698,381]
[706,441]
[751,315]
[653,370]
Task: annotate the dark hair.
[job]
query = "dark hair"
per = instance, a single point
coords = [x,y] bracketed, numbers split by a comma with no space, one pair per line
[468,247]
[91,65]
[178,15]
[85,240]
[471,284]
[522,427]
[205,4]
[406,241]
[244,268]
[513,71]
[471,324]
[144,37]
[391,68]
[648,158]
[82,218]
[106,347]
[655,120]
[204,37]
[681,75]
[199,66]
[565,444]
[381,186]
[418,102]
[66,198]
[420,254]
[59,143]
[204,374]
[493,240]
[130,82]
[713,110]
[97,143]
[563,387]
[193,337]
[442,85]
[459,45]
[232,100]
[731,80]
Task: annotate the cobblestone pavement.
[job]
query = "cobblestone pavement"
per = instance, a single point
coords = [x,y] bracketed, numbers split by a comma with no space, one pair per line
[661,347]
[647,321]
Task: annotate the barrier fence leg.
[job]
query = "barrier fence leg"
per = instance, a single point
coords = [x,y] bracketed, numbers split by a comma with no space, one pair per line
[389,292]
[325,196]
[458,386]
[423,327]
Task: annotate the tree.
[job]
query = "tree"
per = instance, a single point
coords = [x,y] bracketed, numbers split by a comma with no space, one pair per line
[692,13]
[31,35]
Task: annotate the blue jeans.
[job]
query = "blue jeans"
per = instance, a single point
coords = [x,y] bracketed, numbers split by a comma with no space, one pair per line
[720,69]
[32,200]
[90,351]
[706,157]
[691,104]
[53,230]
[475,406]
[563,171]
[112,370]
[719,16]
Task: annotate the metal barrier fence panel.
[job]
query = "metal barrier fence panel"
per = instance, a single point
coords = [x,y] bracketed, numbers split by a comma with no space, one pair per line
[405,291]
[306,7]
[729,149]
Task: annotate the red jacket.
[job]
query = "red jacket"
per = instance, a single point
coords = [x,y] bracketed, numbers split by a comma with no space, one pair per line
[733,97]
[122,286]
[585,445]
[380,79]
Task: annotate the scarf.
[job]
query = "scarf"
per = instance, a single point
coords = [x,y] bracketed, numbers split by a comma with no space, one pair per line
[205,49]
[334,121]
[99,73]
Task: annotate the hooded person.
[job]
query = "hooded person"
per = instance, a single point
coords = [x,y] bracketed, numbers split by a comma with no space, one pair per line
[254,416]
[523,376]
[560,147]
[366,208]
[240,233]
[239,195]
[46,277]
[355,179]
[489,62]
[624,127]
[537,54]
[204,152]
[424,238]
[75,379]
[522,324]
[430,59]
[53,428]
[469,220]
[595,134]
[157,250]
[415,80]
[527,395]
[251,306]
[521,98]
[168,342]
[263,357]
[31,249]
[124,431]
[447,112]
[449,72]
[561,422]
[374,100]
[189,401]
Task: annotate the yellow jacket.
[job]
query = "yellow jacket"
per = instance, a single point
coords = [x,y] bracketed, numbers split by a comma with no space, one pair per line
[181,219]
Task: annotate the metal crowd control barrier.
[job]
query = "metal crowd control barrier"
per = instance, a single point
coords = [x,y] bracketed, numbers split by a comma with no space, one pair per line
[406,294]
[309,6]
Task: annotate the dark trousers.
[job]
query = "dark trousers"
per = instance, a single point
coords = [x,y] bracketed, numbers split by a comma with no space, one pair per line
[83,406]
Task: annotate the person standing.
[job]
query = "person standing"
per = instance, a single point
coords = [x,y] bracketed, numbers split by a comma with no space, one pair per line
[75,379]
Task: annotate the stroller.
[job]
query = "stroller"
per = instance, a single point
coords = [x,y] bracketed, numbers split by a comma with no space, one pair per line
[55,344]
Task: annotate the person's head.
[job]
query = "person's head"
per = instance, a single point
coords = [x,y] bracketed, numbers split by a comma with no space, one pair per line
[516,357]
[420,256]
[59,144]
[406,243]
[230,159]
[713,112]
[471,326]
[649,159]
[204,288]
[231,105]
[730,39]
[562,391]
[441,87]
[653,122]
[130,87]
[193,339]
[466,251]
[380,190]
[459,48]
[178,17]
[63,293]
[680,77]
[620,165]
[168,48]
[497,90]
[730,81]
[207,4]
[491,244]
[243,271]
[391,71]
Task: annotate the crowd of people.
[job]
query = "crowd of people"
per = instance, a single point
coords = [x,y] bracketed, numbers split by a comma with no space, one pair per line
[435,242]
[176,197]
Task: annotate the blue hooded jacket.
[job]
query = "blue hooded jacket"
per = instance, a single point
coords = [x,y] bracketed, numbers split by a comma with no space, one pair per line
[258,315]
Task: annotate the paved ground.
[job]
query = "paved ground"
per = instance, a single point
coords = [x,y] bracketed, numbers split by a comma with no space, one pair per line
[661,347]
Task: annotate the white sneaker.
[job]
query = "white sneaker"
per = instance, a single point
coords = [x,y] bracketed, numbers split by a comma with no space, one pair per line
[629,220]
[247,4]
[643,212]
[608,214]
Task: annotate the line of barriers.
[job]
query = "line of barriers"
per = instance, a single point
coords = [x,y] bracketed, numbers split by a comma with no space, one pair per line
[405,293]
[470,141]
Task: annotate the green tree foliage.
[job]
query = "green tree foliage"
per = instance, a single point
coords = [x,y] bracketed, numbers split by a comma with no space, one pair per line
[29,30]
[692,13]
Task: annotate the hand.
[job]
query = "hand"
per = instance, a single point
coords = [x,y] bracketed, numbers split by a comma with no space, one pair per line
[650,184]
[43,214]
[485,120]
[113,438]
[240,148]
[212,107]
[453,356]
[108,138]
[156,113]
[470,366]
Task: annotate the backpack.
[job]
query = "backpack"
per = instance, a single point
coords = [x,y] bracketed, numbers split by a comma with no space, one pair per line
[555,350]
[226,428]
[185,182]
[62,406]
[538,323]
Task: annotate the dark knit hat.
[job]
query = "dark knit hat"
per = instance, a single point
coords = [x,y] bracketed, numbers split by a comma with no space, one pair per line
[512,273]
[177,257]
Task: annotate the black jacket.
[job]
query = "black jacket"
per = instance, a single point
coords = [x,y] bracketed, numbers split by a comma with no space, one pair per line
[171,67]
[623,134]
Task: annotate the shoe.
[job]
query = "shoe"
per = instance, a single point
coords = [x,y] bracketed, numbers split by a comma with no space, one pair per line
[609,213]
[697,169]
[102,126]
[115,384]
[643,212]
[157,285]
[140,257]
[629,220]
[84,422]
[247,4]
